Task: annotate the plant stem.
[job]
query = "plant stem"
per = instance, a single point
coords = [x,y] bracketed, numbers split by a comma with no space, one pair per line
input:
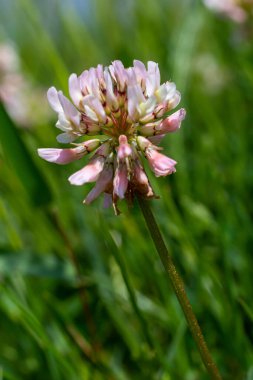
[178,286]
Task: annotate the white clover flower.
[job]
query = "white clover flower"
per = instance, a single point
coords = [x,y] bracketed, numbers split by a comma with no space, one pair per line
[126,111]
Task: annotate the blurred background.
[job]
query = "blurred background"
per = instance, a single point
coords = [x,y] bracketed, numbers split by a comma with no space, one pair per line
[83,294]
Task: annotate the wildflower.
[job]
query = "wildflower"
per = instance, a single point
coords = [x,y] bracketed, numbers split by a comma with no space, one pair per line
[236,10]
[125,110]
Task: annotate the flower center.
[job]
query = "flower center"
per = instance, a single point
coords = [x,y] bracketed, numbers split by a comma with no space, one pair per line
[119,125]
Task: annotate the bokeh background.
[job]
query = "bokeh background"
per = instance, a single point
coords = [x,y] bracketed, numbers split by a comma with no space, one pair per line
[82,292]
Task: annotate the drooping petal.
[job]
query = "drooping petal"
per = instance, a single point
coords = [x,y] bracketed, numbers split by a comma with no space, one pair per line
[89,173]
[62,156]
[120,181]
[140,180]
[107,200]
[65,156]
[102,184]
[124,149]
[160,164]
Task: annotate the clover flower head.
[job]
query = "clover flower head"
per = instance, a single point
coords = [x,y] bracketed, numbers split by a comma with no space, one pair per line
[125,110]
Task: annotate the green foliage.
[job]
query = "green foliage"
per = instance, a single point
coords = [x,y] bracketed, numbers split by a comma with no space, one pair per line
[114,316]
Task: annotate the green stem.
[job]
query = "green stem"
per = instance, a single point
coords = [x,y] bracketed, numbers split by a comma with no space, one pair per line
[178,286]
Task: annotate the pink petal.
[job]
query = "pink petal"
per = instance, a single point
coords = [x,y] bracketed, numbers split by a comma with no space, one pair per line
[102,184]
[156,139]
[172,123]
[120,181]
[160,164]
[124,149]
[89,173]
[140,180]
[62,156]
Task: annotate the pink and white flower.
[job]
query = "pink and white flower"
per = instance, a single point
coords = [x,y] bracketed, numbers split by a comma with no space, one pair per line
[126,111]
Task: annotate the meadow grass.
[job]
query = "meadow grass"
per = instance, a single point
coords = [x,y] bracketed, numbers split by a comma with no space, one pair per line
[114,315]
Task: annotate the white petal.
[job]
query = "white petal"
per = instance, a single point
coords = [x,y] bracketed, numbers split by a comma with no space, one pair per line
[153,78]
[120,181]
[140,71]
[68,108]
[118,72]
[63,123]
[110,96]
[148,106]
[53,99]
[75,90]
[94,105]
[174,101]
[135,97]
[90,113]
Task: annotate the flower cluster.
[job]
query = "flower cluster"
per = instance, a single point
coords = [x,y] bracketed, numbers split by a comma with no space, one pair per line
[126,112]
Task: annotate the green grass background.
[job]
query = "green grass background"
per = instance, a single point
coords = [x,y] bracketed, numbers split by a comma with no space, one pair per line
[116,317]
